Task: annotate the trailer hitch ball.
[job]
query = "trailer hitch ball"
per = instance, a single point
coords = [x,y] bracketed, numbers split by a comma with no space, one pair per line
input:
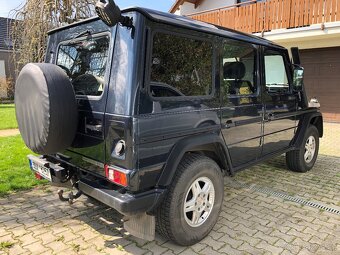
[71,197]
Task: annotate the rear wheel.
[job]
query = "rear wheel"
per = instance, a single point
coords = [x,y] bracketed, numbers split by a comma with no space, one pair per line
[193,202]
[303,159]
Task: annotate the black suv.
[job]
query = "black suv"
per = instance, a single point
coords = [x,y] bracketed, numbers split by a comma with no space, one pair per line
[147,111]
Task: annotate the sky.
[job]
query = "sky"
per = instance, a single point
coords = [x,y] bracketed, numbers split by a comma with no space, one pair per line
[161,5]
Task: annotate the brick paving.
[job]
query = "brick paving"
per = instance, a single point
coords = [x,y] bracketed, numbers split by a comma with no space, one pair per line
[251,222]
[330,142]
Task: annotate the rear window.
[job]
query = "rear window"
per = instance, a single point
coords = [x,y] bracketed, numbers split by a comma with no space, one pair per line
[84,61]
[180,66]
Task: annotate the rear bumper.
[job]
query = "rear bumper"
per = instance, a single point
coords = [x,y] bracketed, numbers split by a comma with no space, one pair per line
[126,204]
[96,186]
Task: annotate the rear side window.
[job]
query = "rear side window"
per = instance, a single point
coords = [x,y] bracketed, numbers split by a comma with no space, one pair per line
[239,68]
[180,66]
[84,61]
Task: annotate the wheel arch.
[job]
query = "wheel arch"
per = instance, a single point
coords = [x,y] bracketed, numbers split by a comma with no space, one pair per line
[317,121]
[210,145]
[314,118]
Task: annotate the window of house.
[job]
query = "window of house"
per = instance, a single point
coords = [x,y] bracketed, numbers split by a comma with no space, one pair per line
[2,69]
[239,68]
[84,61]
[275,73]
[180,66]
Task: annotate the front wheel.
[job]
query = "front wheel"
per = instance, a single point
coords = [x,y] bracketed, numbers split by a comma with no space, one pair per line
[303,159]
[193,202]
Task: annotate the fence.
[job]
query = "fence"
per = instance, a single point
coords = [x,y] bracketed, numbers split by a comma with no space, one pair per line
[255,16]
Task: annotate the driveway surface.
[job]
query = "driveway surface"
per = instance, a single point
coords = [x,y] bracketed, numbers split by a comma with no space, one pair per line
[266,210]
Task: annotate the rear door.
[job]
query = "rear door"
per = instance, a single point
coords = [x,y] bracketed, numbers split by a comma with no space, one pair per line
[280,102]
[241,110]
[86,61]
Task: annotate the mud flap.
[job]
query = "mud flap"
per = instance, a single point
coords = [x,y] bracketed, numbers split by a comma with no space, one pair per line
[141,226]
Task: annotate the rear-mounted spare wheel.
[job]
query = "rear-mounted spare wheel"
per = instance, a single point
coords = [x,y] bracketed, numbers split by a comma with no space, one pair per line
[46,108]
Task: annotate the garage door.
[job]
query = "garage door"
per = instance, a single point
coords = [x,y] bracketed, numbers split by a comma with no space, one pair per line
[322,79]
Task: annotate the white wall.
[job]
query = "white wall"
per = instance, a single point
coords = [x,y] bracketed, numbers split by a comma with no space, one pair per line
[188,8]
[307,37]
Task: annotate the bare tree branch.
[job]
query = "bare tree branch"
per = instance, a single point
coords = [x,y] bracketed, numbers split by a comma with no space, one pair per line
[35,18]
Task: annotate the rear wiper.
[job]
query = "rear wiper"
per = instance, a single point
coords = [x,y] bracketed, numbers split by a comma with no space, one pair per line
[81,34]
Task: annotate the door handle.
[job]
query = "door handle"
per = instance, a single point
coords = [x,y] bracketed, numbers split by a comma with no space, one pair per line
[229,124]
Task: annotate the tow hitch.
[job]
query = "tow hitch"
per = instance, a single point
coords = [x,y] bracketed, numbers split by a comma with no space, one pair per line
[71,197]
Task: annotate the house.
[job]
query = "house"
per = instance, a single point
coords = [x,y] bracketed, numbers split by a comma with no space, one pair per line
[7,72]
[313,26]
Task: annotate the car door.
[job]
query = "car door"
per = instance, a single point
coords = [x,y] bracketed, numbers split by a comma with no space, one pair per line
[241,111]
[86,61]
[280,102]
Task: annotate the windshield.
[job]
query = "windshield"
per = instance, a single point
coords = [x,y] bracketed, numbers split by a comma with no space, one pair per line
[84,61]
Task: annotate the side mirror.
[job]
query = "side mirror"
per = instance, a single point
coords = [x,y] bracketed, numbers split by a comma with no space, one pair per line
[298,78]
[110,14]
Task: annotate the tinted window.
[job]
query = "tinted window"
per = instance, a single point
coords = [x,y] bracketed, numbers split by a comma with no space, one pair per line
[239,73]
[275,72]
[84,61]
[181,66]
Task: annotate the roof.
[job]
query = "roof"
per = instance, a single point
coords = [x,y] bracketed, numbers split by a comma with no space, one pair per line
[5,31]
[185,22]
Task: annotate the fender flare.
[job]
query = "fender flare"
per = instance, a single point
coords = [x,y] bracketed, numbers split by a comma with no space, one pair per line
[186,145]
[305,122]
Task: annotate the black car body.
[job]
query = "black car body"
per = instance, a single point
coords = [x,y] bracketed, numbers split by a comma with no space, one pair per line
[170,86]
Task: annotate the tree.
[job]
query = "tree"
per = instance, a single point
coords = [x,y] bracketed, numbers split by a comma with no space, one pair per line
[35,18]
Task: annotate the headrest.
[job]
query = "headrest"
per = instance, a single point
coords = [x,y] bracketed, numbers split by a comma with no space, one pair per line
[234,70]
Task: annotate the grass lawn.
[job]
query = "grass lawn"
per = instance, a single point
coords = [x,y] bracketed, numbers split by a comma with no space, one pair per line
[7,116]
[15,173]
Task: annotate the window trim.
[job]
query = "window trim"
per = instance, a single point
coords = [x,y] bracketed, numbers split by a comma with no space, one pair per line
[256,69]
[108,63]
[287,69]
[149,51]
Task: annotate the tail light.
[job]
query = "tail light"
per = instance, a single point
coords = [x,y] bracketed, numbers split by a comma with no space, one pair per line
[117,176]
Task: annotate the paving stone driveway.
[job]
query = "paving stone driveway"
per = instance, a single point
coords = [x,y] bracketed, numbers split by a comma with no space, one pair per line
[251,222]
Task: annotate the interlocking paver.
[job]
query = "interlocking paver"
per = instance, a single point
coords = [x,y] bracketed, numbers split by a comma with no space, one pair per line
[250,222]
[268,247]
[36,248]
[157,249]
[17,250]
[215,245]
[250,249]
[294,249]
[227,249]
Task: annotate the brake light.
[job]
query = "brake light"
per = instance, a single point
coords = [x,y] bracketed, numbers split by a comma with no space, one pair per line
[116,176]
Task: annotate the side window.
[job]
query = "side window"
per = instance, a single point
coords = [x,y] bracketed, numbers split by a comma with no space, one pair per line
[84,62]
[239,68]
[180,66]
[275,72]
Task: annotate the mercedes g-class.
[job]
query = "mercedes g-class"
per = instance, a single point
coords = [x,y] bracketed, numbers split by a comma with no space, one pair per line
[147,111]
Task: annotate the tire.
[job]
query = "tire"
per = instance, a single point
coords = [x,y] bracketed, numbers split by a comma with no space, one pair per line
[171,220]
[46,108]
[296,160]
